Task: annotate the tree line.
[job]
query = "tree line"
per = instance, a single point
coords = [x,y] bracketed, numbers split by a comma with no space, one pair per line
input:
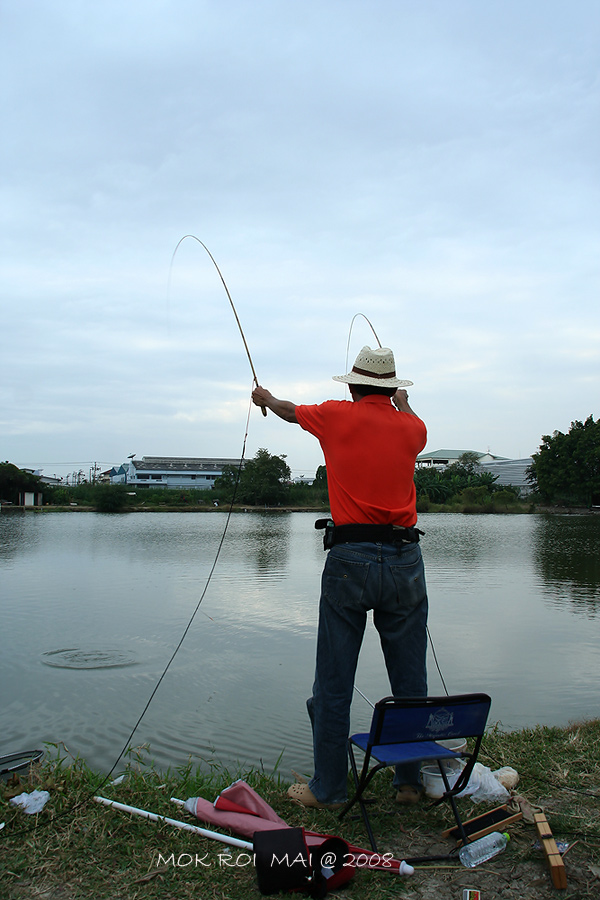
[564,471]
[566,468]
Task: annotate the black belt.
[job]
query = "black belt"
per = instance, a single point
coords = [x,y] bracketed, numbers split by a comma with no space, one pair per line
[372,534]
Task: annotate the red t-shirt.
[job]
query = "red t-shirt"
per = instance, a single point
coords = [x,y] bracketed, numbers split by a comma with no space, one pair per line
[370,450]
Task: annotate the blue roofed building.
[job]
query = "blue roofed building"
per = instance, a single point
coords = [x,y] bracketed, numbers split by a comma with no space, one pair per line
[170,472]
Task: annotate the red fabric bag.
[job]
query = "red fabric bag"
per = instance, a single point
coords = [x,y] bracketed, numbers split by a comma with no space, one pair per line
[284,863]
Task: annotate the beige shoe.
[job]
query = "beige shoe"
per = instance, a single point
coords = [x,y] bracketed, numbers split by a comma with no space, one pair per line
[408,793]
[303,794]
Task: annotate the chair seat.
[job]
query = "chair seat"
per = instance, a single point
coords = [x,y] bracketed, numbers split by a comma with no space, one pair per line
[393,754]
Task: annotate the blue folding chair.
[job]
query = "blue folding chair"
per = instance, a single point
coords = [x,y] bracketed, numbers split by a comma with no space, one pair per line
[406,730]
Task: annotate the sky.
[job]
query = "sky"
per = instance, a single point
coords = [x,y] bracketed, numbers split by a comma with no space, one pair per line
[424,174]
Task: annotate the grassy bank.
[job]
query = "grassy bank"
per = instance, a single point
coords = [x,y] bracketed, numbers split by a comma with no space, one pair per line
[76,848]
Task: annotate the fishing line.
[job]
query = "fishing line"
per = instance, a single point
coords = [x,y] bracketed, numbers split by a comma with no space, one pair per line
[437,665]
[355,316]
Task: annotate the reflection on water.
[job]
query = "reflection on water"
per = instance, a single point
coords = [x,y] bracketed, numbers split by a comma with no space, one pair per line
[567,559]
[92,607]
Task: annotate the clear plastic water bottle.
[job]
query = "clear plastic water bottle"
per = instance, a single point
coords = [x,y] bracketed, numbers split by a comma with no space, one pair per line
[485,848]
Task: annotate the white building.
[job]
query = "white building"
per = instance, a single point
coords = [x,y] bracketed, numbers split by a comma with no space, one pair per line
[170,472]
[508,472]
[47,479]
[443,458]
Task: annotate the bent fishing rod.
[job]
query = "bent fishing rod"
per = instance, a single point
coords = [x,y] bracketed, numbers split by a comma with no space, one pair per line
[214,262]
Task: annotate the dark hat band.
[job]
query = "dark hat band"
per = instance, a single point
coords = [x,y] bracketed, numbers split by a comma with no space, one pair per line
[368,374]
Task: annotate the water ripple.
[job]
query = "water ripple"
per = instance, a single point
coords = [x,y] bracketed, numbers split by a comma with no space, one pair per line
[74,658]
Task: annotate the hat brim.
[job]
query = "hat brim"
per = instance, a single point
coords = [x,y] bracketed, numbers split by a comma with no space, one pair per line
[354,378]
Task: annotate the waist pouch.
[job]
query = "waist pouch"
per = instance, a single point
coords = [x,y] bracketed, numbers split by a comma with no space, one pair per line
[372,534]
[284,863]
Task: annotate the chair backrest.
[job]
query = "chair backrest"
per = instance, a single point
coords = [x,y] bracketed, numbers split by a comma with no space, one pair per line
[399,720]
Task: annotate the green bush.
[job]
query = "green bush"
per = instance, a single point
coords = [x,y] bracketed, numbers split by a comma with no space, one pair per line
[110,497]
[505,497]
[474,495]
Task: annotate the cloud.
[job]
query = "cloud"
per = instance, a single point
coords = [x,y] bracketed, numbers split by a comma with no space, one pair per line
[431,166]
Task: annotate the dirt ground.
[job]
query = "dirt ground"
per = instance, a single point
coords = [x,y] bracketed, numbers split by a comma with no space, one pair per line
[502,878]
[519,873]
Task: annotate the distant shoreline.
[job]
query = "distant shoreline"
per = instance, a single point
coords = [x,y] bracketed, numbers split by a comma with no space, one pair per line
[548,510]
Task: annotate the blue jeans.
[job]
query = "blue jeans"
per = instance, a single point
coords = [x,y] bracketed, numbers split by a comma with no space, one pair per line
[358,577]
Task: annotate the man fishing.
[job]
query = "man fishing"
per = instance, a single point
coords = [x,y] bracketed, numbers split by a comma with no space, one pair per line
[374,561]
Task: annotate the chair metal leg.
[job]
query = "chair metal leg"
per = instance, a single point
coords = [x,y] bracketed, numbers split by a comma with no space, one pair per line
[360,783]
[449,796]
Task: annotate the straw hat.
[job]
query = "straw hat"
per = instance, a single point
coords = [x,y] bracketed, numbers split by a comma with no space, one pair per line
[374,367]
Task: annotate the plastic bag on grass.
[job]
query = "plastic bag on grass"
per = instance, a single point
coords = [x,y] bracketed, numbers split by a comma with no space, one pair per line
[31,803]
[484,786]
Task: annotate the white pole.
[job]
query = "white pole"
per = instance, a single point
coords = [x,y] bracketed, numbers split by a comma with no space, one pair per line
[185,826]
[358,691]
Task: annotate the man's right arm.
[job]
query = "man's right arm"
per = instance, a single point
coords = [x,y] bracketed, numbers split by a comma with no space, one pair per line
[285,409]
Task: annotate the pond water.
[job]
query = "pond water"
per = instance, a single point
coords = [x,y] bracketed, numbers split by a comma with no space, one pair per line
[93,607]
